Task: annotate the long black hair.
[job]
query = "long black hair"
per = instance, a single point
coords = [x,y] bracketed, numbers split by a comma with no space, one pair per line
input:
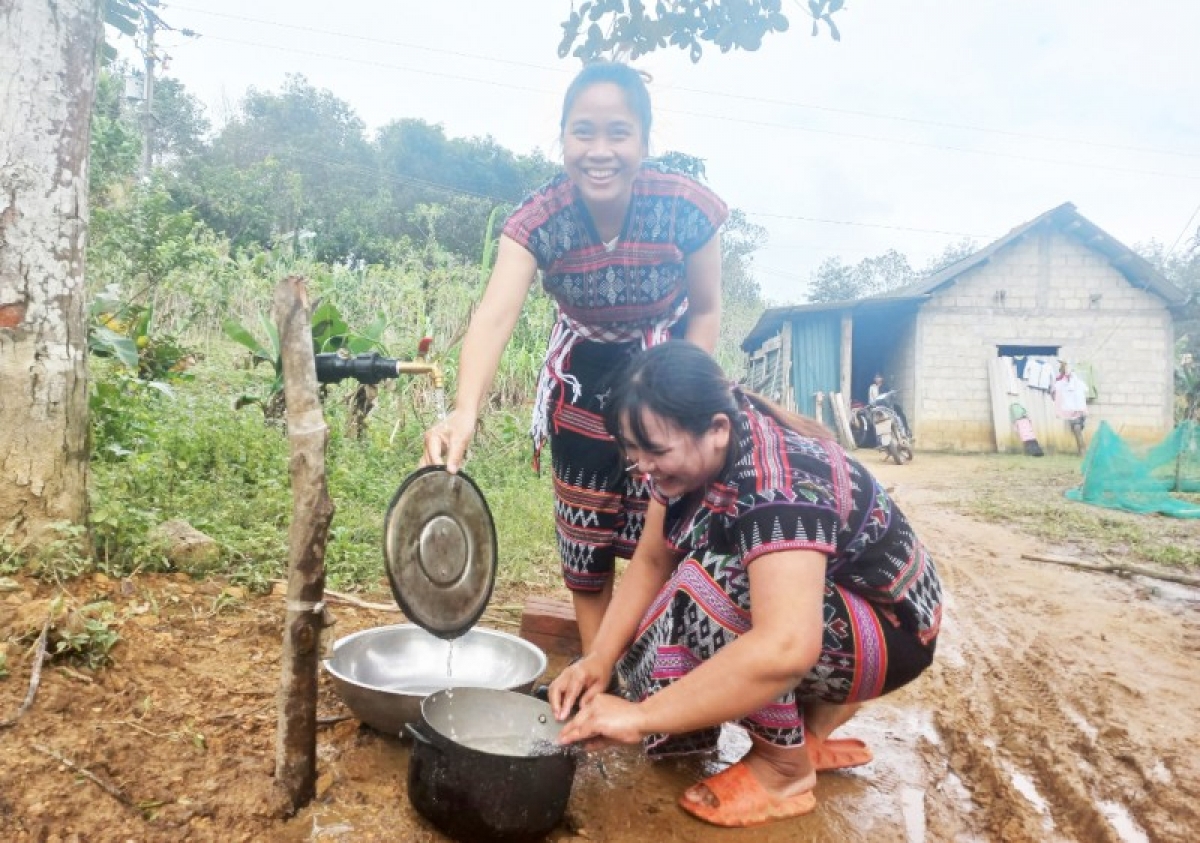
[681,383]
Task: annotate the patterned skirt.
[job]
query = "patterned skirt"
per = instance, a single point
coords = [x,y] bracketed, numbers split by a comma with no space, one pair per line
[865,653]
[599,508]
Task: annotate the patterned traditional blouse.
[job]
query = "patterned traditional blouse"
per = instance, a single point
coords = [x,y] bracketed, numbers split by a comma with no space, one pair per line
[783,491]
[641,279]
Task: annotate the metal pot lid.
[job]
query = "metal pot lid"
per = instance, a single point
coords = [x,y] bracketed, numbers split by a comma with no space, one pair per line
[439,544]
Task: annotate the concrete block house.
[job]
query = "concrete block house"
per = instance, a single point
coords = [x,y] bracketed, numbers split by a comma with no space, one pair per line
[954,343]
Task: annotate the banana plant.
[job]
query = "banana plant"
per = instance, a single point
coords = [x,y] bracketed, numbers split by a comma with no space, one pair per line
[330,332]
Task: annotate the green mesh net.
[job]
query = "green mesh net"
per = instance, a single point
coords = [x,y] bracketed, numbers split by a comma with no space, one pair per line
[1151,480]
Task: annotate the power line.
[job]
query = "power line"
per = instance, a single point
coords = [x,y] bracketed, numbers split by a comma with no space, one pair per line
[938,123]
[866,224]
[399,178]
[1186,226]
[926,145]
[387,42]
[739,96]
[740,121]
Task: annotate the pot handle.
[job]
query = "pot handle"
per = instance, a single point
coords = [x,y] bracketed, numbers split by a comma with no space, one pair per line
[418,735]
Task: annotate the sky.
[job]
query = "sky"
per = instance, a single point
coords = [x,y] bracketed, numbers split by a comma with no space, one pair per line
[927,123]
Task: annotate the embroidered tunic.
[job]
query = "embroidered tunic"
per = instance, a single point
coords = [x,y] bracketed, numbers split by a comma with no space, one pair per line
[613,299]
[783,491]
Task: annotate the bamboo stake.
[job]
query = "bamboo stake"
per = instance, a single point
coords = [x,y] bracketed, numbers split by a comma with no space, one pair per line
[312,512]
[1116,568]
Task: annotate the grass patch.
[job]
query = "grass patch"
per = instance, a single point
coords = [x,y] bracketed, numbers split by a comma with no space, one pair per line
[193,457]
[1029,495]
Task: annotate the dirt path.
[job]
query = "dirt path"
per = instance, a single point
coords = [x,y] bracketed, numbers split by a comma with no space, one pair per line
[1066,701]
[1062,706]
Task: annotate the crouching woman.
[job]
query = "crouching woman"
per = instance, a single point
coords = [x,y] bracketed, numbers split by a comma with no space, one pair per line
[775,585]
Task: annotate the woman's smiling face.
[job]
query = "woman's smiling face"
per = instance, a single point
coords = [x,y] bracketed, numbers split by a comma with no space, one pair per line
[604,144]
[677,461]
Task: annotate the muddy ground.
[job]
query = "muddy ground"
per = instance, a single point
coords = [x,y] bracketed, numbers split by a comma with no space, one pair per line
[1062,706]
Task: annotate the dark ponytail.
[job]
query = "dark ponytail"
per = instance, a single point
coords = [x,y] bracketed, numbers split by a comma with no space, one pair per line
[681,383]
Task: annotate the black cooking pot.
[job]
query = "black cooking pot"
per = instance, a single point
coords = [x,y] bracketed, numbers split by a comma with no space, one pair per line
[486,765]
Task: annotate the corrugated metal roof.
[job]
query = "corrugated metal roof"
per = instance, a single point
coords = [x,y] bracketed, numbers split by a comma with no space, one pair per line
[773,318]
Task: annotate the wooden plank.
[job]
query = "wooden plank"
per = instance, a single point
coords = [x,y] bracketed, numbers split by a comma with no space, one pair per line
[551,625]
[789,398]
[841,416]
[1007,440]
[847,355]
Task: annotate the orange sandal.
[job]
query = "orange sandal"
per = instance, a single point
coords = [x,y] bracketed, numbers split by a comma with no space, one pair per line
[837,753]
[733,798]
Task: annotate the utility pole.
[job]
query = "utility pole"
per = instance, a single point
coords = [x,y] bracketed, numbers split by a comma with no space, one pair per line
[148,97]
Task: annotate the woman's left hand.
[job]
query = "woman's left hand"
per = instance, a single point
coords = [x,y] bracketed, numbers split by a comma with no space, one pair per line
[605,717]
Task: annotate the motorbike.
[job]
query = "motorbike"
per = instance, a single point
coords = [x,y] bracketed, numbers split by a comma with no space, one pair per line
[878,425]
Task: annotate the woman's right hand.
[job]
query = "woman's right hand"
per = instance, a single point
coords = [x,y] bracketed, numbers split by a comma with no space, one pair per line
[446,442]
[576,685]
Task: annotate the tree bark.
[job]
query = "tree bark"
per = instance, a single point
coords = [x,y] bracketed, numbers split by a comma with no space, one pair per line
[48,66]
[312,512]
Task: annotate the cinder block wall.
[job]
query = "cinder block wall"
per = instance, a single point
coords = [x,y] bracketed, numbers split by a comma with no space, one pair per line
[1046,289]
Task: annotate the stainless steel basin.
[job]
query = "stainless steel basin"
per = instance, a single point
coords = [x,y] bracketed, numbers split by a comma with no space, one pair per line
[382,674]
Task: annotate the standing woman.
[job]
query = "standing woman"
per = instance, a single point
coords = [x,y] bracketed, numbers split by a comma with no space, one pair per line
[631,255]
[776,585]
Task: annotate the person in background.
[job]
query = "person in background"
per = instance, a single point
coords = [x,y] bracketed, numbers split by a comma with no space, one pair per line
[876,390]
[630,252]
[776,585]
[1070,391]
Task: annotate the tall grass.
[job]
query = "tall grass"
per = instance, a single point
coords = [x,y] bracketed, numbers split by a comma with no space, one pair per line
[225,471]
[191,456]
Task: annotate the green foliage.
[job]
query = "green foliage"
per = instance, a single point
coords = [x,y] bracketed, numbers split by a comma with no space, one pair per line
[329,333]
[127,333]
[835,281]
[227,475]
[146,238]
[86,636]
[1181,266]
[1027,495]
[626,28]
[294,171]
[179,122]
[115,144]
[123,16]
[189,458]
[292,187]
[60,558]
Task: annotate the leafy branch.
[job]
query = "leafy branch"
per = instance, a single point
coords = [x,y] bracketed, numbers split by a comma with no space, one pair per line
[627,28]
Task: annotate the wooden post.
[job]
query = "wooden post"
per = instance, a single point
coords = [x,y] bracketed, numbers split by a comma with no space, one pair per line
[841,419]
[312,512]
[847,353]
[787,396]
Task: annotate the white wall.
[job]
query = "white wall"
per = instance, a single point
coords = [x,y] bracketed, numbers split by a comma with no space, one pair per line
[1045,289]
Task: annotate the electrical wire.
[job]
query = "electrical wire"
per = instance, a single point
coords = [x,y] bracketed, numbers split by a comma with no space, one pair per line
[726,118]
[1186,227]
[741,97]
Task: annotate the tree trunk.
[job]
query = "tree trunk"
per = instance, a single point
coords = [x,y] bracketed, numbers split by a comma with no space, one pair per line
[48,67]
[312,512]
